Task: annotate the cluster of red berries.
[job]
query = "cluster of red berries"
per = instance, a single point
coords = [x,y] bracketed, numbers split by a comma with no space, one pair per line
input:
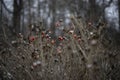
[32,38]
[45,36]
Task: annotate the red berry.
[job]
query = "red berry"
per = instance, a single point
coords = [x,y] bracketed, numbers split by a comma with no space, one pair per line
[75,36]
[43,36]
[32,38]
[43,33]
[60,38]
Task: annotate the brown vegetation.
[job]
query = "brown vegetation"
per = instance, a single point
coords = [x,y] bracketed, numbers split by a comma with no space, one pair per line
[87,55]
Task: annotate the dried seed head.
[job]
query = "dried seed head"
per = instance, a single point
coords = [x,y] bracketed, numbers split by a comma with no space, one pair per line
[91,33]
[20,35]
[47,36]
[93,42]
[89,65]
[61,20]
[36,63]
[89,24]
[59,50]
[52,41]
[71,31]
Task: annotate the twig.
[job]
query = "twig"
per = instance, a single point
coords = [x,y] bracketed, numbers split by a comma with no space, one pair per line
[2,51]
[4,33]
[5,67]
[83,52]
[29,74]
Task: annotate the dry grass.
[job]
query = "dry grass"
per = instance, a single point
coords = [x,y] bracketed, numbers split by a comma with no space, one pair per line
[81,58]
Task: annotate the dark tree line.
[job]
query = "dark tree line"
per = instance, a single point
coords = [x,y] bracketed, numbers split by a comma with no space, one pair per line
[25,11]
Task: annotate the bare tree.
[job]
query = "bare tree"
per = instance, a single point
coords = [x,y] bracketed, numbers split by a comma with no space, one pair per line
[119,12]
[18,5]
[93,10]
[53,11]
[29,4]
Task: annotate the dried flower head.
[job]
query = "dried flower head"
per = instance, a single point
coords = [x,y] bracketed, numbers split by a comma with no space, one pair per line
[59,50]
[71,31]
[52,42]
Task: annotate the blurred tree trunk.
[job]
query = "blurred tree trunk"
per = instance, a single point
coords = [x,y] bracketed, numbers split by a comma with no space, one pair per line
[103,10]
[0,10]
[92,11]
[95,12]
[22,20]
[119,12]
[29,10]
[79,6]
[53,11]
[0,15]
[17,5]
[38,9]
